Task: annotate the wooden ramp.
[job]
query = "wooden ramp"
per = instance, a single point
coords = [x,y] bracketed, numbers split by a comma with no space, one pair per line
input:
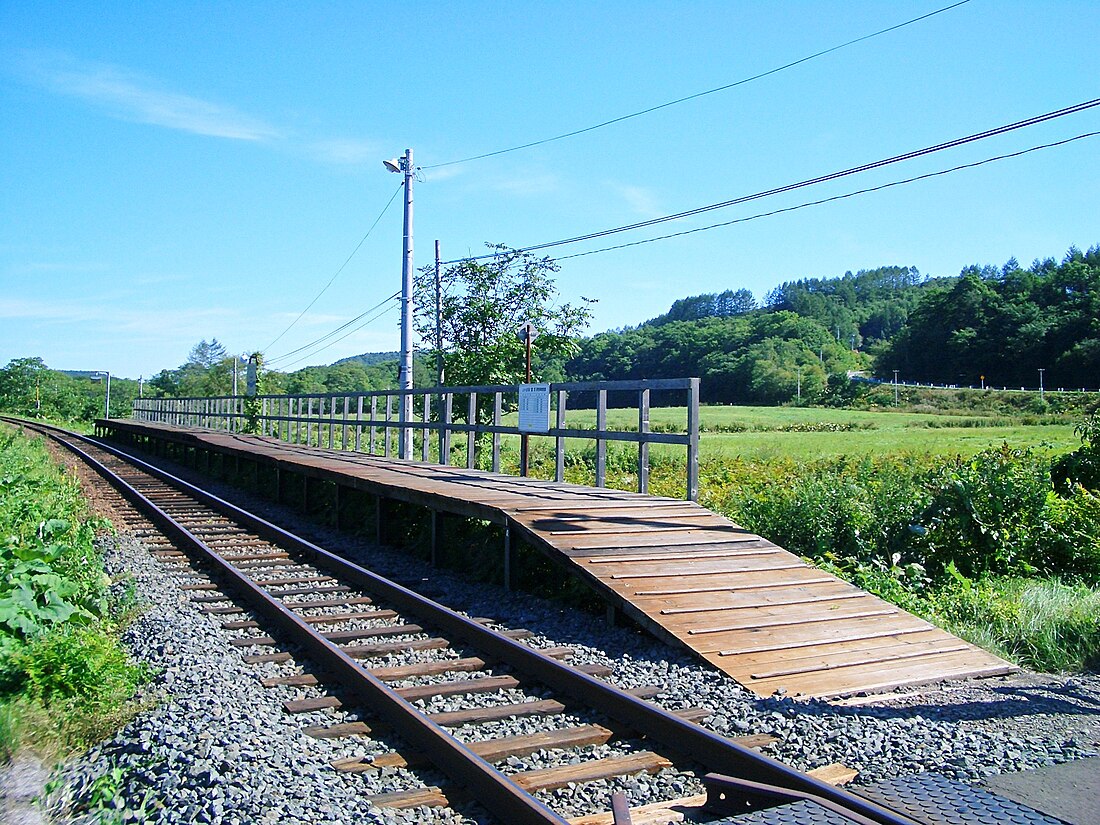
[691,577]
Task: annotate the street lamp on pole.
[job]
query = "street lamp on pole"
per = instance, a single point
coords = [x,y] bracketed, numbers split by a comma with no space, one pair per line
[895,388]
[404,165]
[1041,371]
[107,400]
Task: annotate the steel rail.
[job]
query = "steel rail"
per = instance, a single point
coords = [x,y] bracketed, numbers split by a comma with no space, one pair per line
[717,753]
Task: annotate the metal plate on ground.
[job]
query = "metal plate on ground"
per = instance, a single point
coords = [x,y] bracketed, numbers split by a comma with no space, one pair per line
[798,813]
[927,798]
[932,799]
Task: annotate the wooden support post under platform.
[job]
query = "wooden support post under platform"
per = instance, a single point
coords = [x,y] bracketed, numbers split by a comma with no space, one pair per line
[508,557]
[435,537]
[378,520]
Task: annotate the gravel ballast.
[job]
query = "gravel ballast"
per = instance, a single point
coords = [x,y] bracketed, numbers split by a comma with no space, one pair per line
[218,747]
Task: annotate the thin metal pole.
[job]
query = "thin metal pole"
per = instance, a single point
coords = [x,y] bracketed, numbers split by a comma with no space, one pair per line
[524,442]
[438,321]
[405,377]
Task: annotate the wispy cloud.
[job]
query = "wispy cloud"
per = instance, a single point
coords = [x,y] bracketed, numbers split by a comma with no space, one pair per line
[347,151]
[130,96]
[120,319]
[528,185]
[640,199]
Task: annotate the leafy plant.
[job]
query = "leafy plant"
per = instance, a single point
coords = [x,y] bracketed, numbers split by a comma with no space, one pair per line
[65,680]
[1081,467]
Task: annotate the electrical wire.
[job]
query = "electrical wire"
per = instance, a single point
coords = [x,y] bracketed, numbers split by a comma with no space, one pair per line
[833,198]
[1000,130]
[385,311]
[317,297]
[697,95]
[336,331]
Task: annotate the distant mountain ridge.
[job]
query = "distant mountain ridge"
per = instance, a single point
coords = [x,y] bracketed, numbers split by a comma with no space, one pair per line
[369,359]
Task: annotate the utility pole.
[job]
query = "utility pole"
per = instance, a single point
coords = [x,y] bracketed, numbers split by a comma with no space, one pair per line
[895,388]
[405,371]
[1041,371]
[799,382]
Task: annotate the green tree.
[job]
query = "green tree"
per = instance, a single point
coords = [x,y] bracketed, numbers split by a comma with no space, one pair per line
[21,385]
[483,304]
[208,371]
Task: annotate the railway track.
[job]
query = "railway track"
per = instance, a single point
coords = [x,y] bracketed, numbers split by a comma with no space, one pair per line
[278,593]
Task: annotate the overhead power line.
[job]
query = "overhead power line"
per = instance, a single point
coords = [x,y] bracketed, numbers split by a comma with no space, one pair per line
[371,320]
[334,332]
[939,147]
[697,95]
[834,197]
[338,271]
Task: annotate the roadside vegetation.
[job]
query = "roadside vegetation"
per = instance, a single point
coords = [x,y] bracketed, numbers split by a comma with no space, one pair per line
[65,679]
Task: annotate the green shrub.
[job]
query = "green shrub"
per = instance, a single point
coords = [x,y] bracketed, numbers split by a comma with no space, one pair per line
[985,514]
[81,663]
[1082,466]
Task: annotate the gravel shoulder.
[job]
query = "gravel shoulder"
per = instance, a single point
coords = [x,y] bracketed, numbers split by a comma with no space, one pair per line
[217,747]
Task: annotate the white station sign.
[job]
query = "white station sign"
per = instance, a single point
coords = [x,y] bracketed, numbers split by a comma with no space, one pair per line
[534,408]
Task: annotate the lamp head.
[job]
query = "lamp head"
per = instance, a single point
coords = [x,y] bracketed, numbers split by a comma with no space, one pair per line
[394,164]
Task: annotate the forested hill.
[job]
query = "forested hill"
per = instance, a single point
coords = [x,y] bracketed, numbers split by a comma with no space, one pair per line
[1001,323]
[1006,324]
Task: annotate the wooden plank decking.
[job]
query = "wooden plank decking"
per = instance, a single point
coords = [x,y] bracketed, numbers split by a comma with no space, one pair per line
[691,577]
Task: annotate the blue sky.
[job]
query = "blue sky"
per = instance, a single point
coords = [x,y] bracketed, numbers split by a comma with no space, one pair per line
[181,171]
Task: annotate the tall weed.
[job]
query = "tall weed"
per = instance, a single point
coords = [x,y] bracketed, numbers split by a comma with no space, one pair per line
[64,678]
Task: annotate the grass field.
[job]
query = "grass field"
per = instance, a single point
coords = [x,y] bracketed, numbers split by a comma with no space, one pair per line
[805,432]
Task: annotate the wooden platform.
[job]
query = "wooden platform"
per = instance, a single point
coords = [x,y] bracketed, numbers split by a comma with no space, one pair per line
[691,577]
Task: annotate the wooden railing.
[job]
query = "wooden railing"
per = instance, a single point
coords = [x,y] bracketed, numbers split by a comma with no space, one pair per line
[371,422]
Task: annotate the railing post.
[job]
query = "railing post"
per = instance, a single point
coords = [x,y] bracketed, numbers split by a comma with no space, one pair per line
[386,427]
[344,424]
[358,425]
[643,445]
[601,444]
[373,418]
[445,432]
[559,442]
[425,433]
[496,435]
[471,436]
[693,440]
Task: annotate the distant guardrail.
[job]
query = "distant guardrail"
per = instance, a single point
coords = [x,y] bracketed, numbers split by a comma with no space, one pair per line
[373,423]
